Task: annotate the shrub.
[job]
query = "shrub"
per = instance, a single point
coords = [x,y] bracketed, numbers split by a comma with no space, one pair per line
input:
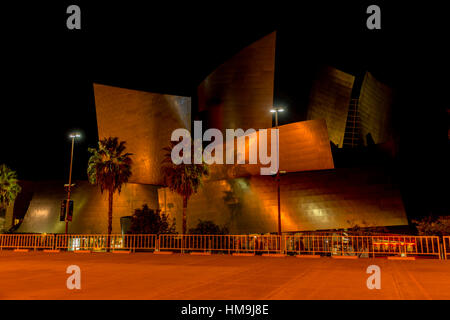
[365,229]
[150,221]
[208,227]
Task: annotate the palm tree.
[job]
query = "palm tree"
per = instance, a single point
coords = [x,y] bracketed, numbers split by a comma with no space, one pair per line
[184,179]
[9,186]
[109,167]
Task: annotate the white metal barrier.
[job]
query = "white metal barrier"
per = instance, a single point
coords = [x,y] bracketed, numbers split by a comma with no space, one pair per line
[446,245]
[364,246]
[361,246]
[102,242]
[27,241]
[220,243]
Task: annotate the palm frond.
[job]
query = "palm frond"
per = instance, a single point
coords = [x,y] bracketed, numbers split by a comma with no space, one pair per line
[109,167]
[184,179]
[9,186]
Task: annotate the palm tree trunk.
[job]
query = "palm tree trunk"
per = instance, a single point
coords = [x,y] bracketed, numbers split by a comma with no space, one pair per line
[110,211]
[184,222]
[184,213]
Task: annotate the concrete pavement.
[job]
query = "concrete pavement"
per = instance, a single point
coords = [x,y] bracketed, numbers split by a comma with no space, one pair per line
[39,275]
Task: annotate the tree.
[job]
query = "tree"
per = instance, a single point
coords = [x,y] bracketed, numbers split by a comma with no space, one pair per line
[149,221]
[433,226]
[9,186]
[208,227]
[184,179]
[365,229]
[109,167]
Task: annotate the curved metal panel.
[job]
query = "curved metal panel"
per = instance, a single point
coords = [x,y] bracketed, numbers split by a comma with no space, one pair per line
[375,102]
[145,121]
[90,207]
[309,201]
[239,93]
[303,146]
[329,100]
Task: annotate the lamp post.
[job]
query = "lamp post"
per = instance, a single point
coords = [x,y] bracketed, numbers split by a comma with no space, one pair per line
[69,186]
[276,110]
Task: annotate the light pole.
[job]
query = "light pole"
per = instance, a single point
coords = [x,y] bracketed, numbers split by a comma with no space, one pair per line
[276,110]
[69,186]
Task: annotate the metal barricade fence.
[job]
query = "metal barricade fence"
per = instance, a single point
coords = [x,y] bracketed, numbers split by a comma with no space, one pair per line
[446,247]
[220,243]
[139,241]
[99,242]
[268,244]
[196,242]
[75,242]
[170,242]
[407,246]
[364,246]
[361,246]
[27,241]
[327,245]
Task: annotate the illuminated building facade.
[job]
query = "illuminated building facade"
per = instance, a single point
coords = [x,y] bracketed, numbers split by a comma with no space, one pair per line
[354,117]
[316,194]
[145,121]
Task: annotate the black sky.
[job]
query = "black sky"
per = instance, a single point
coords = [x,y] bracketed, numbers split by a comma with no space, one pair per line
[48,70]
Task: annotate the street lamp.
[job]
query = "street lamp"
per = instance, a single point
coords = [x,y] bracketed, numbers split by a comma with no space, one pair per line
[276,110]
[69,186]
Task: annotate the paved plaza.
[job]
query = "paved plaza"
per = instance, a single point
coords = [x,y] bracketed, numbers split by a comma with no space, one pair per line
[39,275]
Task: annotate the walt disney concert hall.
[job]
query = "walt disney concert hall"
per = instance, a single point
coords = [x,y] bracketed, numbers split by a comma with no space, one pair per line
[326,181]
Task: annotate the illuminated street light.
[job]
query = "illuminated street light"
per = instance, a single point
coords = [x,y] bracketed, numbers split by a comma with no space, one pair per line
[70,185]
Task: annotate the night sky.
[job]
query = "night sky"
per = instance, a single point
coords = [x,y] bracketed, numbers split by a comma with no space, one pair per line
[48,71]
